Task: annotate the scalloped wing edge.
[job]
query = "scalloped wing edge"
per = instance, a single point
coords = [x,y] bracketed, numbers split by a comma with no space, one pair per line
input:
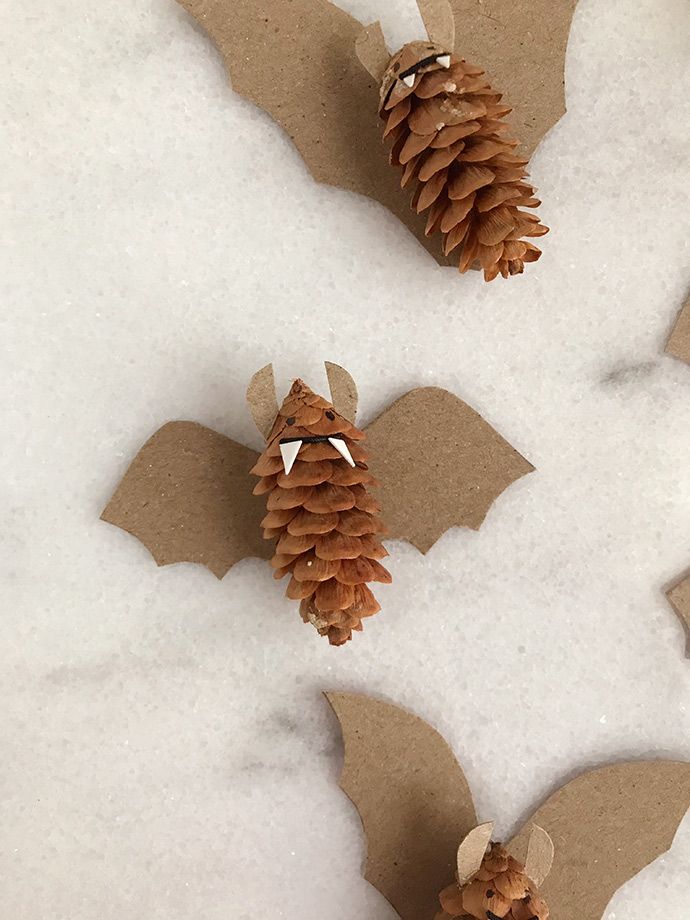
[187,497]
[440,464]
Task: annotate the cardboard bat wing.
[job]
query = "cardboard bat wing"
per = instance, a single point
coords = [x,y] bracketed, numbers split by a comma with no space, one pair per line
[412,797]
[607,825]
[187,496]
[678,596]
[416,808]
[440,465]
[296,59]
[678,344]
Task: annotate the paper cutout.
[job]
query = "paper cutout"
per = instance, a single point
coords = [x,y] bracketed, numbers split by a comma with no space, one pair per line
[343,390]
[187,496]
[440,465]
[540,855]
[471,852]
[439,22]
[679,343]
[261,399]
[607,824]
[289,453]
[296,59]
[413,799]
[522,44]
[679,598]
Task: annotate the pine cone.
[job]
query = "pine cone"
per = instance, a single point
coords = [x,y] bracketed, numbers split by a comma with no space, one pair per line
[321,515]
[448,137]
[499,890]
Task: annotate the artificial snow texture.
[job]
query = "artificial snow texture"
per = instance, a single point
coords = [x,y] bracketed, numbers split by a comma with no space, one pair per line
[166,753]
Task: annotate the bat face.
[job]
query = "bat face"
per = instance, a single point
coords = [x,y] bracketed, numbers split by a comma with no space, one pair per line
[308,427]
[500,890]
[405,68]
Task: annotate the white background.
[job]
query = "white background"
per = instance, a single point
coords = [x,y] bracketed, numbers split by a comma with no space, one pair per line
[166,753]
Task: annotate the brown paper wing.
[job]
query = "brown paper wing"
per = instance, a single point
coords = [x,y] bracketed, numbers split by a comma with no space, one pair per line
[296,60]
[440,465]
[678,344]
[606,826]
[679,598]
[522,45]
[187,496]
[412,797]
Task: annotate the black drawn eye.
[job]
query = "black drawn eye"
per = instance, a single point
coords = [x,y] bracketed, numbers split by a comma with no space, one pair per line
[291,420]
[330,415]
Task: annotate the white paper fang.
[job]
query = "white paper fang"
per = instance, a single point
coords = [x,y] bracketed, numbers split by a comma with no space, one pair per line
[289,452]
[342,449]
[444,60]
[409,80]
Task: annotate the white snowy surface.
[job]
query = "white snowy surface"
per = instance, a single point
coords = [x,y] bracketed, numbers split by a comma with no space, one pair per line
[165,752]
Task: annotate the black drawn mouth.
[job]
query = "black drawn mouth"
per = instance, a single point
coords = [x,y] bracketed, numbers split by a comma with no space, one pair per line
[408,76]
[290,448]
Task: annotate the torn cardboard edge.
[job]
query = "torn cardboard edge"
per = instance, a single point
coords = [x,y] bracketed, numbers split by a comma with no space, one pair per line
[187,495]
[678,344]
[312,84]
[678,596]
[416,807]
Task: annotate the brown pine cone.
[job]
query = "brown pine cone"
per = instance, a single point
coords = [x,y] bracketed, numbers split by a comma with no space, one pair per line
[499,891]
[321,514]
[448,136]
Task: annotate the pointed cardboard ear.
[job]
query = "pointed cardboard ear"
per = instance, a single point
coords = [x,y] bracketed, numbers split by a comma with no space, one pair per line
[439,22]
[472,851]
[539,856]
[261,396]
[343,391]
[372,51]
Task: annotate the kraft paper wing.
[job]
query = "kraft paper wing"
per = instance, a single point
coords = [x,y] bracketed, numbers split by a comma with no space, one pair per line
[296,59]
[187,496]
[607,825]
[412,797]
[679,598]
[678,344]
[522,44]
[440,465]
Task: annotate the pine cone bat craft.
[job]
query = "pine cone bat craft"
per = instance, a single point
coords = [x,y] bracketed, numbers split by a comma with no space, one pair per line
[416,805]
[446,128]
[190,494]
[301,61]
